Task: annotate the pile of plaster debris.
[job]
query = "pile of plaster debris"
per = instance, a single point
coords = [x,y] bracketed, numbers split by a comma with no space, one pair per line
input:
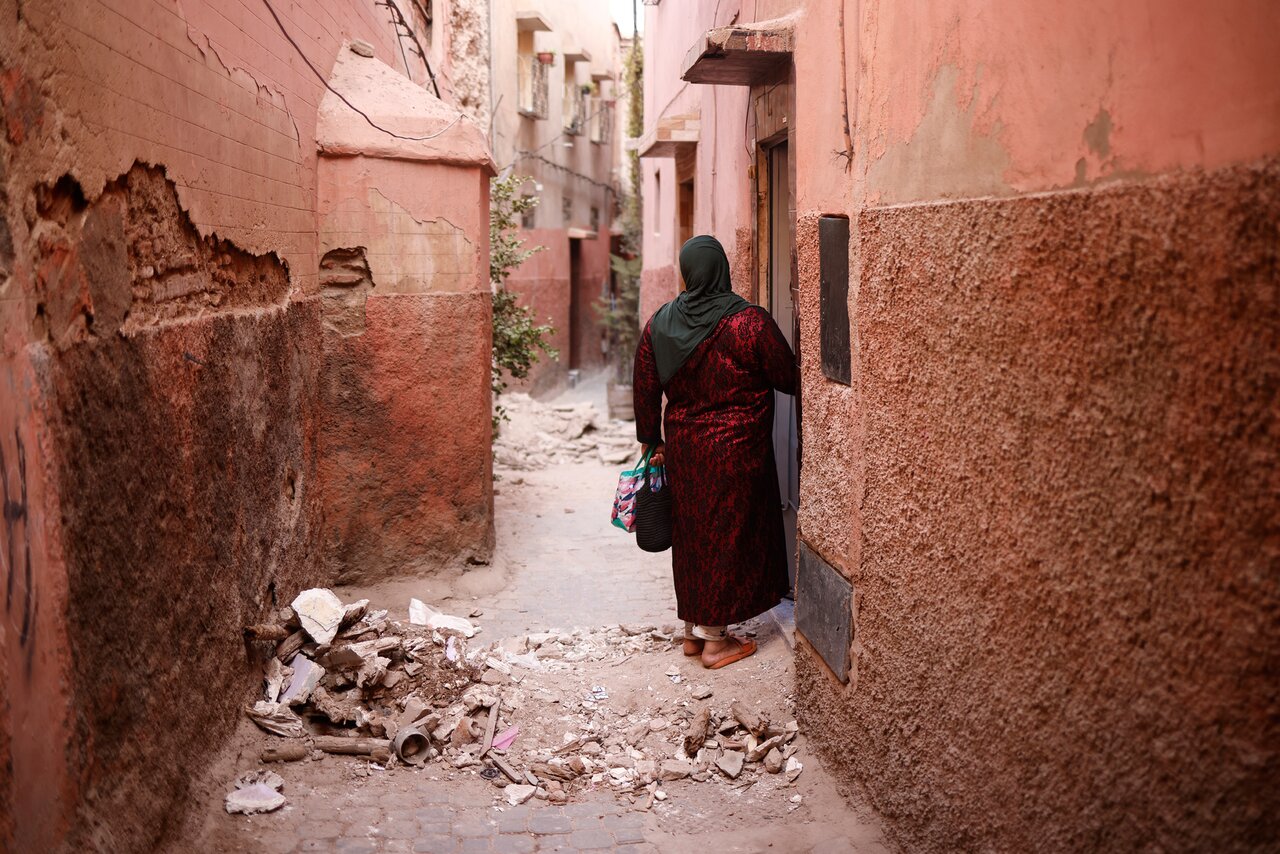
[540,434]
[346,680]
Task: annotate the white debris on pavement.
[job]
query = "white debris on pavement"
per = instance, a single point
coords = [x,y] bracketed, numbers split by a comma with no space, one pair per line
[422,614]
[540,434]
[379,677]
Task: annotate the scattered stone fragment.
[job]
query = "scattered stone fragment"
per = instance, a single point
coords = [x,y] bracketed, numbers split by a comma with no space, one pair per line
[761,749]
[277,676]
[517,794]
[257,798]
[730,762]
[674,769]
[794,767]
[306,676]
[773,761]
[701,692]
[276,718]
[320,612]
[658,724]
[421,614]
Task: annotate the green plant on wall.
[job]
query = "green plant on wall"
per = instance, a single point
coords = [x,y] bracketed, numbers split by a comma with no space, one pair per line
[621,313]
[517,340]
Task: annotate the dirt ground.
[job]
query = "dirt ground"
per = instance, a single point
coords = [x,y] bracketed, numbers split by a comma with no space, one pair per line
[560,568]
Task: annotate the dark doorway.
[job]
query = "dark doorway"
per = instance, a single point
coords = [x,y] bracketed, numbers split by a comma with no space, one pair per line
[781,303]
[575,304]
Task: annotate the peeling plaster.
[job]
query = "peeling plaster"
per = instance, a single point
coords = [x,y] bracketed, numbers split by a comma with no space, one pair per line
[946,156]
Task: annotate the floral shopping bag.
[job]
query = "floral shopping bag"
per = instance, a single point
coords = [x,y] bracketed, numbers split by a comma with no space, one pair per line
[624,500]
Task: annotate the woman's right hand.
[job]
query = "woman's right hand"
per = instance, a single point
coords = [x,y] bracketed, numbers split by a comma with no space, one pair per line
[657,459]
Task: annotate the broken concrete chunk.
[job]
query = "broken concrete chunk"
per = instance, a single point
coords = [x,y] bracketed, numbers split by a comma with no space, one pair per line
[674,769]
[256,798]
[518,793]
[730,762]
[701,692]
[794,767]
[372,672]
[276,718]
[421,614]
[306,677]
[320,612]
[277,676]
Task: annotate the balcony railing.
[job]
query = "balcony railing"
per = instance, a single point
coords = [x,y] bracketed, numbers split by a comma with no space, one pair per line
[601,120]
[575,113]
[532,80]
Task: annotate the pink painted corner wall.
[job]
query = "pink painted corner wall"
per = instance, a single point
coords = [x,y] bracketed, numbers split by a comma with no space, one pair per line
[405,466]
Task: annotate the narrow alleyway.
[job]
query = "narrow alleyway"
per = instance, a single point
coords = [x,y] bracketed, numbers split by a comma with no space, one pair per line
[560,568]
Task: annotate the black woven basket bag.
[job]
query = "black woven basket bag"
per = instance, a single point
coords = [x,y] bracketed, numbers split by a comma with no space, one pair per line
[653,515]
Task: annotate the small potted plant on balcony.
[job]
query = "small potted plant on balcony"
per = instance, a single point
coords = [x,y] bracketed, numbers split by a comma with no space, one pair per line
[546,57]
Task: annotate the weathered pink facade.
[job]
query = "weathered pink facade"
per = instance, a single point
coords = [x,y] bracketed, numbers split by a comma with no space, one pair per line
[178,377]
[1052,480]
[571,165]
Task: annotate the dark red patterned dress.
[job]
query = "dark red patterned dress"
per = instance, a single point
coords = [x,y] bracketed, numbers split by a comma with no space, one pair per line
[728,550]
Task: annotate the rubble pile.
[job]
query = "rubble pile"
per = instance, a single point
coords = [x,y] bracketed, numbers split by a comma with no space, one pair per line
[539,434]
[425,693]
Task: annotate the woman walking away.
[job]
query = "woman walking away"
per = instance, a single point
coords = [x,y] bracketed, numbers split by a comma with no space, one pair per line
[718,358]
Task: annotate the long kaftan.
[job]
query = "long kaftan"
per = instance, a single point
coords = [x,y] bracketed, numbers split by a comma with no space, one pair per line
[728,553]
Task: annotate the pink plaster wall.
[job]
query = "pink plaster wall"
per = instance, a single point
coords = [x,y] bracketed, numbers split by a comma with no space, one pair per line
[214,96]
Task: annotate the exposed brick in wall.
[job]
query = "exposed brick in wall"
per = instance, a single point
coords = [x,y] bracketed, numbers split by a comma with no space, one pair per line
[1066,633]
[211,90]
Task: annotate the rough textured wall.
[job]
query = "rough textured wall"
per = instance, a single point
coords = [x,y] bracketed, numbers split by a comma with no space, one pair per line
[1068,599]
[830,473]
[181,390]
[469,57]
[658,285]
[406,488]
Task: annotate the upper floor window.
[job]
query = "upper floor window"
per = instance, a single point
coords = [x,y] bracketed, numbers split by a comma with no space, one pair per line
[532,77]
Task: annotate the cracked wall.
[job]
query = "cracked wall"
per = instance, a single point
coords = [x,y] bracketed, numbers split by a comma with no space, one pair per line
[161,386]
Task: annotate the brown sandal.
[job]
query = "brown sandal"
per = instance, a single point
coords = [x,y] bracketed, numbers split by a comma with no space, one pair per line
[746,647]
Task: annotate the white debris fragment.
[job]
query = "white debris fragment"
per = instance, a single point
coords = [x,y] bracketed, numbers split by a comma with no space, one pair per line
[422,614]
[794,767]
[277,675]
[518,793]
[256,798]
[306,676]
[276,718]
[320,612]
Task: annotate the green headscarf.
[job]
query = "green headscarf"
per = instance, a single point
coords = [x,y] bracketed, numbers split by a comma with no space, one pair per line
[685,322]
